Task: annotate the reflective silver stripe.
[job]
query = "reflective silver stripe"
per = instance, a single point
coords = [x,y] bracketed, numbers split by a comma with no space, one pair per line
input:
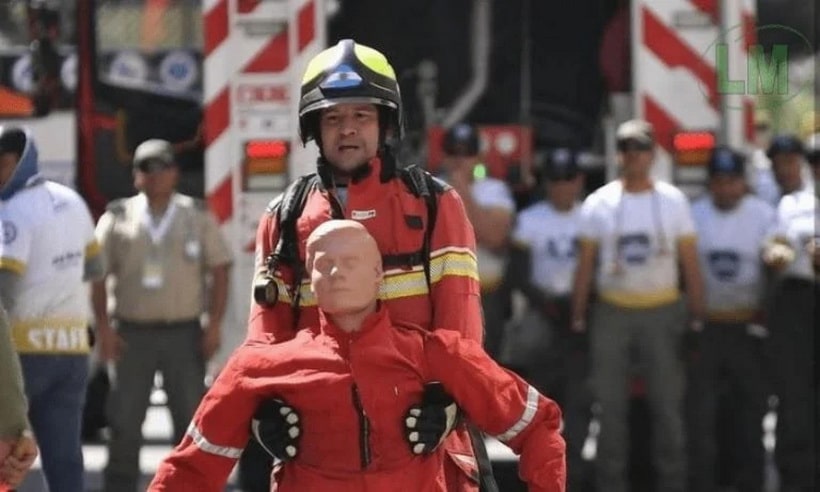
[209,447]
[526,417]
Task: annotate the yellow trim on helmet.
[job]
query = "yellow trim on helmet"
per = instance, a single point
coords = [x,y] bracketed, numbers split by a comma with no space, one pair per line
[371,58]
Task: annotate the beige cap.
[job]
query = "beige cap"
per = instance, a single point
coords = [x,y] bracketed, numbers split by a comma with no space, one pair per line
[638,130]
[154,149]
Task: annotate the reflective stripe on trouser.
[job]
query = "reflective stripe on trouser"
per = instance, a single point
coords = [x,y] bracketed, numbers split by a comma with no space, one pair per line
[654,334]
[55,388]
[174,350]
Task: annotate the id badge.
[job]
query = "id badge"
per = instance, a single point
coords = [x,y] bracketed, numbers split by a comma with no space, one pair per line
[152,273]
[192,249]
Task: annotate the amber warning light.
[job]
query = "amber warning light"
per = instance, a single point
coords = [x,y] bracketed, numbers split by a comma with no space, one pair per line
[266,164]
[693,148]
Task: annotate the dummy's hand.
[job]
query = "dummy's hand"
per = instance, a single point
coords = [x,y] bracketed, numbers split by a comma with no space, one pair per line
[277,428]
[428,423]
[23,453]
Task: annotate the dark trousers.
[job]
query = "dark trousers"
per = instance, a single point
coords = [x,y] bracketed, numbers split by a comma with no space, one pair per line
[171,348]
[793,346]
[619,336]
[561,373]
[727,367]
[495,305]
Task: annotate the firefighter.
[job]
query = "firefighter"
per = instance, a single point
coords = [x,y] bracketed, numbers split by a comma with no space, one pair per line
[490,208]
[351,106]
[731,227]
[543,258]
[48,252]
[162,248]
[792,254]
[353,376]
[635,235]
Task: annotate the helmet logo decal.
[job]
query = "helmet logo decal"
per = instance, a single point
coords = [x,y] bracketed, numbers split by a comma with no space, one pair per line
[344,76]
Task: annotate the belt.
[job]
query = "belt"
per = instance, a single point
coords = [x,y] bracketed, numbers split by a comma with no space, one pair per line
[159,324]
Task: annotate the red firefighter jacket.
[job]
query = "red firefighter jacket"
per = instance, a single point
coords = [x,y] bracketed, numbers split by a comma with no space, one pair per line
[397,219]
[352,391]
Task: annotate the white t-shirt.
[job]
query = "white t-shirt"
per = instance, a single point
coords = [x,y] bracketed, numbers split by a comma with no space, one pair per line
[796,222]
[48,233]
[491,193]
[552,238]
[637,236]
[729,246]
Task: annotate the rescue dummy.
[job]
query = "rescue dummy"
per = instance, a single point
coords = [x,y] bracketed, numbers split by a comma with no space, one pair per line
[351,378]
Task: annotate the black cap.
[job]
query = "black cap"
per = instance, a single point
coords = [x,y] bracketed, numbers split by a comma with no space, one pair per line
[462,139]
[561,164]
[785,144]
[725,161]
[12,139]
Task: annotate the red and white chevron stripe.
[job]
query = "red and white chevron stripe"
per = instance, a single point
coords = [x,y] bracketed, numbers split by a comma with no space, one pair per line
[675,76]
[230,51]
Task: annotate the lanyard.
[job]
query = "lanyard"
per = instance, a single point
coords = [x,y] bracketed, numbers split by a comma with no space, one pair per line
[657,225]
[157,231]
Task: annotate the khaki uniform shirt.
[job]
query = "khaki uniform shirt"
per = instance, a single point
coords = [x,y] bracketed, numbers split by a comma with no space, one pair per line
[157,267]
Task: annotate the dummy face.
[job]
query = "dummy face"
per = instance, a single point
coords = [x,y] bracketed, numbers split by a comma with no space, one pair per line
[727,190]
[786,167]
[156,180]
[350,134]
[636,158]
[8,162]
[345,267]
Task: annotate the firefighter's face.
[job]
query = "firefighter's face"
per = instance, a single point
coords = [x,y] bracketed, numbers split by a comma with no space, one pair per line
[727,190]
[8,162]
[156,181]
[346,271]
[350,134]
[787,171]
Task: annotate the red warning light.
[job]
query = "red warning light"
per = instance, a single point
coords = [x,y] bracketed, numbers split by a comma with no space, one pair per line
[267,149]
[693,141]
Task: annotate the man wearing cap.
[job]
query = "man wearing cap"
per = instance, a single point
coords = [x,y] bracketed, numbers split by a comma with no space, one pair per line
[491,209]
[731,227]
[635,232]
[787,154]
[543,257]
[160,247]
[791,252]
[47,252]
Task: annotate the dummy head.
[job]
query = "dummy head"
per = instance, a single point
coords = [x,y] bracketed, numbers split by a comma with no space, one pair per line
[345,268]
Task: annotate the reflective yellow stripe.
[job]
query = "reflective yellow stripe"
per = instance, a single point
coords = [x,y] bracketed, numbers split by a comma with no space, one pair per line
[15,266]
[51,336]
[530,409]
[399,283]
[92,249]
[643,300]
[208,447]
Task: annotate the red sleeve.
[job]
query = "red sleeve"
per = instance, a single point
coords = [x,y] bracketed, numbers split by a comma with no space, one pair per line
[502,405]
[456,293]
[269,321]
[215,438]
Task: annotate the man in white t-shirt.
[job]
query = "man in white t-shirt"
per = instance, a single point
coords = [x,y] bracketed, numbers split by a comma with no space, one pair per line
[543,256]
[634,233]
[731,227]
[491,209]
[792,254]
[48,251]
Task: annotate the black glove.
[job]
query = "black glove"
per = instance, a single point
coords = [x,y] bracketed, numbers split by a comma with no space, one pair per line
[277,428]
[428,423]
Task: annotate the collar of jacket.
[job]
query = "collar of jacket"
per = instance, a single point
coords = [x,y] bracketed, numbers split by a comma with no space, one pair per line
[371,326]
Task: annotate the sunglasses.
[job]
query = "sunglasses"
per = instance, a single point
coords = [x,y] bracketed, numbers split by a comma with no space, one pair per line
[153,165]
[633,145]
